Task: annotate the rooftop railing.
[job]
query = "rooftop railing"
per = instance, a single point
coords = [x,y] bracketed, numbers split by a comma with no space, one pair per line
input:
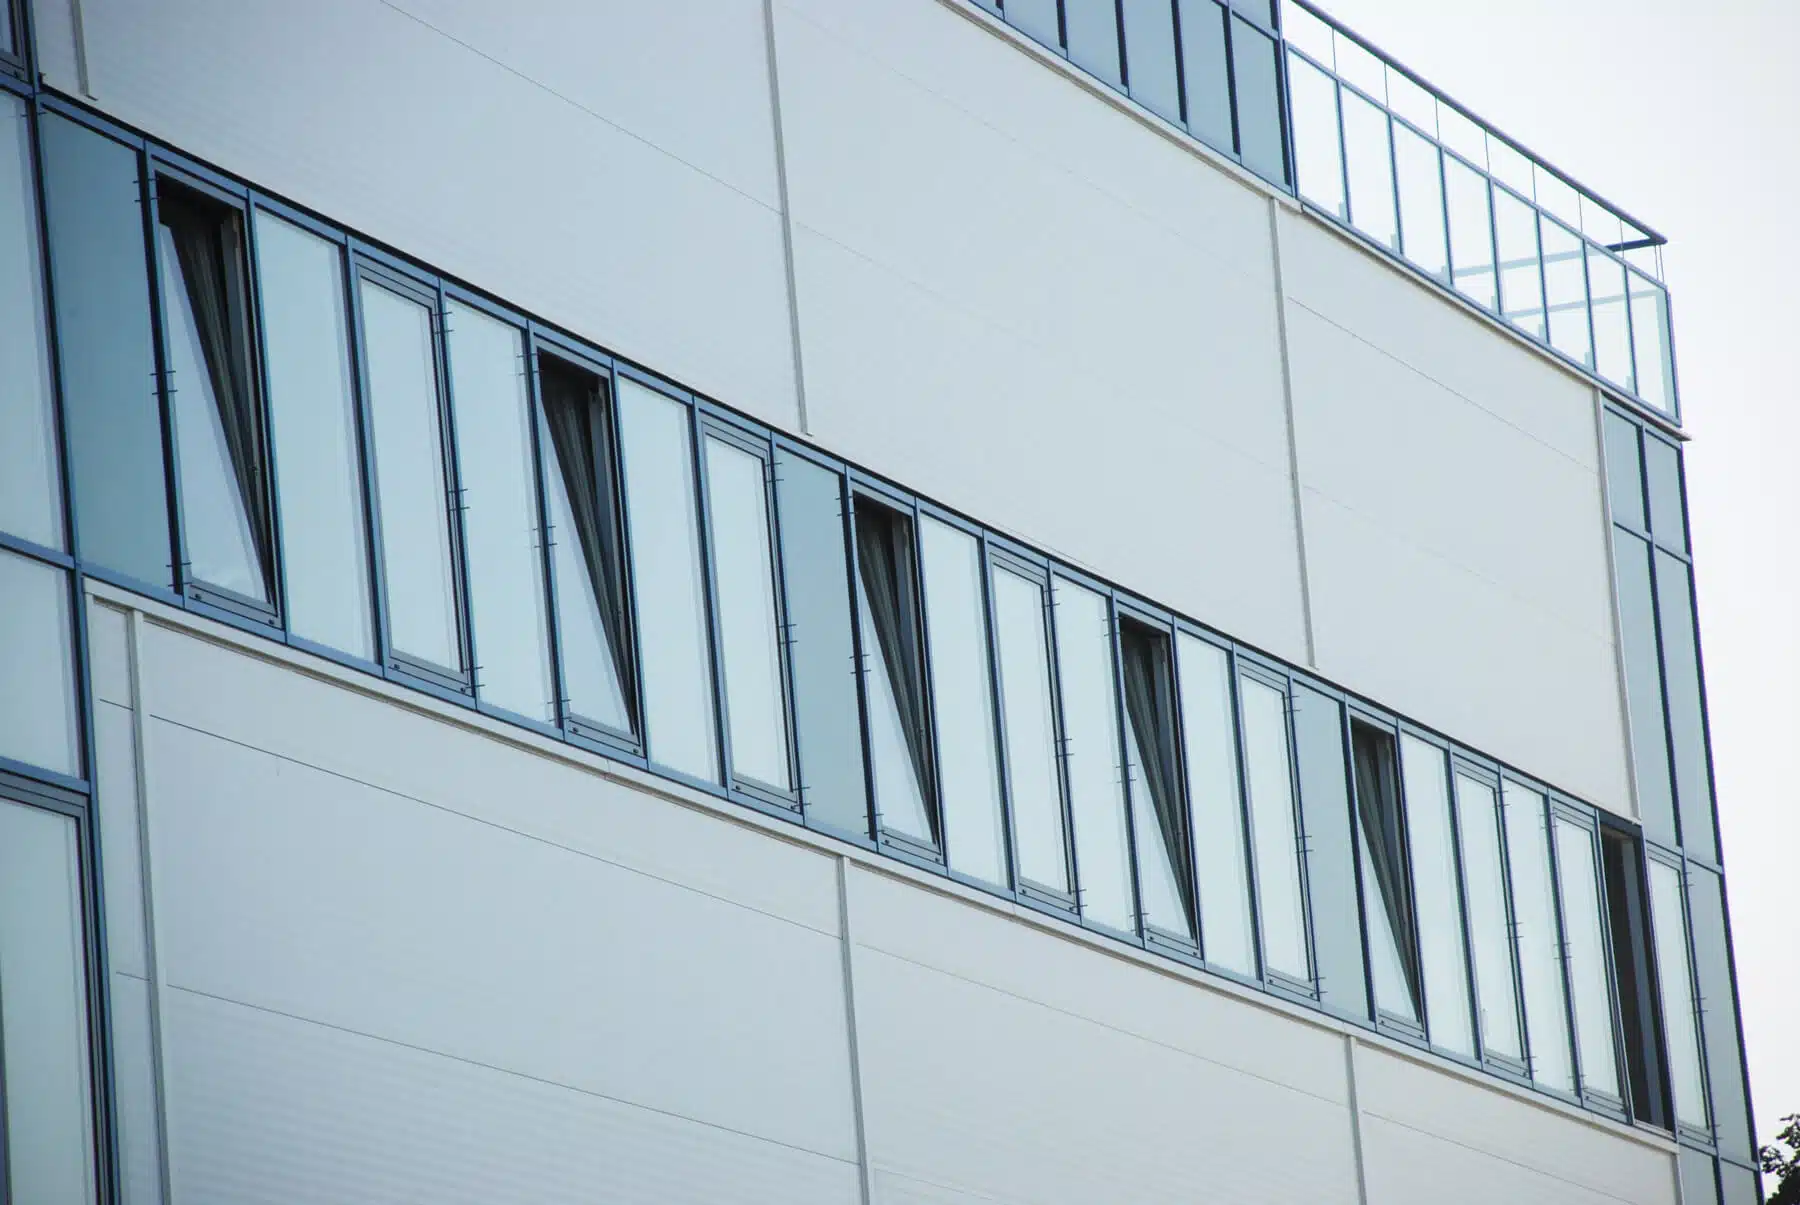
[1290,94]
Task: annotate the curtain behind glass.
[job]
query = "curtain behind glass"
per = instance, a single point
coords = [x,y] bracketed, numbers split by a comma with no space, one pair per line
[891,609]
[1149,710]
[1378,807]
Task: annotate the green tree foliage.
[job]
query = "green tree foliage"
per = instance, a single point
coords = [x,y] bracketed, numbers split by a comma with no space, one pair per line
[1783,1169]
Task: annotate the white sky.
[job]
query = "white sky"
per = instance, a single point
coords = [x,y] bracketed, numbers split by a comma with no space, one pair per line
[1688,115]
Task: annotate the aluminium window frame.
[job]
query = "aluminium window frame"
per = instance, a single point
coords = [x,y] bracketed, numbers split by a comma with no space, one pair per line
[1674,860]
[1561,807]
[1394,1026]
[1647,984]
[17,64]
[1490,775]
[1548,799]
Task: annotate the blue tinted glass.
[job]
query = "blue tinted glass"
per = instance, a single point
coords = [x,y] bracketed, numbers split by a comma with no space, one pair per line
[1719,1012]
[1687,723]
[1204,73]
[1036,18]
[1668,521]
[30,482]
[1330,854]
[1093,30]
[1624,480]
[1150,55]
[1258,89]
[1643,686]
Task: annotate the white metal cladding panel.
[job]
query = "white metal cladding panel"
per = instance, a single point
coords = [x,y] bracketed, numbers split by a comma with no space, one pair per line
[1405,1166]
[115,763]
[1024,303]
[1435,1108]
[134,1091]
[969,1086]
[269,706]
[1069,977]
[109,661]
[1457,561]
[273,1109]
[609,166]
[298,891]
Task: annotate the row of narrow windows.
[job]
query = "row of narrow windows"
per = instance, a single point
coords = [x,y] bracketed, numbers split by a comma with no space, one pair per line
[271,423]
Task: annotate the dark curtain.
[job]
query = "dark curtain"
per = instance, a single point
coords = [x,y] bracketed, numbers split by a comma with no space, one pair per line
[575,413]
[1378,804]
[209,248]
[1149,710]
[884,548]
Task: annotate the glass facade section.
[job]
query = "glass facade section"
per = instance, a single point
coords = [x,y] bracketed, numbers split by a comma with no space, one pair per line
[1675,978]
[1205,72]
[1386,879]
[1612,322]
[1029,720]
[1521,274]
[1369,159]
[1719,1014]
[1150,56]
[1589,989]
[313,417]
[1269,773]
[1209,746]
[489,385]
[1471,233]
[1565,292]
[1686,708]
[1317,149]
[893,674]
[1090,712]
[40,724]
[1158,811]
[1539,937]
[1331,870]
[1423,237]
[1256,79]
[1432,847]
[1643,684]
[1092,31]
[1490,918]
[30,476]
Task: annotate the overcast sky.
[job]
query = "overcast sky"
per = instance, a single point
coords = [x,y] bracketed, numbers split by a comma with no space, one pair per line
[1688,116]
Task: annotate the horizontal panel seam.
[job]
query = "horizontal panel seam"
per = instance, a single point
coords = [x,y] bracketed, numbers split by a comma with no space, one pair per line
[494,824]
[1507,1159]
[508,1071]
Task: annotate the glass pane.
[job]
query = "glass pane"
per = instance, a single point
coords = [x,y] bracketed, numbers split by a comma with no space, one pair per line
[1036,18]
[1308,32]
[1359,68]
[1158,811]
[1698,1186]
[1270,776]
[1093,35]
[671,584]
[1565,287]
[1090,711]
[1371,170]
[967,743]
[500,513]
[827,720]
[1675,979]
[1624,481]
[30,481]
[1586,947]
[1255,71]
[1643,686]
[1509,166]
[43,1009]
[1687,717]
[1331,871]
[1030,731]
[1204,74]
[1209,746]
[1668,519]
[312,411]
[1461,135]
[39,724]
[1317,152]
[102,287]
[893,673]
[1540,945]
[1393,993]
[1719,1012]
[1738,1185]
[1421,202]
[1433,853]
[749,632]
[1150,55]
[1650,338]
[409,478]
[1612,330]
[1471,233]
[1490,927]
[1409,101]
[1386,881]
[1521,275]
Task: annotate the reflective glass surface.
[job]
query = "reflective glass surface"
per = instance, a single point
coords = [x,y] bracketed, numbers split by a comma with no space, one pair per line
[1422,235]
[1612,325]
[1565,292]
[1316,146]
[507,599]
[1150,56]
[1269,773]
[1540,942]
[1675,979]
[1037,18]
[1205,77]
[1471,232]
[1687,718]
[967,743]
[1719,1013]
[39,721]
[1588,984]
[749,633]
[892,686]
[1370,164]
[1662,466]
[1624,480]
[1090,711]
[1158,808]
[1257,90]
[1331,870]
[1490,921]
[409,478]
[1650,342]
[1521,275]
[1030,729]
[312,412]
[670,580]
[1092,30]
[30,480]
[1433,853]
[1643,685]
[1209,749]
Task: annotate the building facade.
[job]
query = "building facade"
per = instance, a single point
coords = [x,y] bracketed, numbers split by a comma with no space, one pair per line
[793,601]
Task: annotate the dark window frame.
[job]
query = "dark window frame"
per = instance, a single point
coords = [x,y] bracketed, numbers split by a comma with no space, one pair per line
[1273,674]
[1412,1032]
[1617,1107]
[1491,775]
[15,15]
[1673,860]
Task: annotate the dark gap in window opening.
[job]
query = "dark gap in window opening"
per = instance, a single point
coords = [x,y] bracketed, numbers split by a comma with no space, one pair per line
[900,752]
[1165,872]
[1387,881]
[1634,972]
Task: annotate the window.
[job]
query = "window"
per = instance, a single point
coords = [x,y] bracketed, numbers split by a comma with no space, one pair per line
[1643,682]
[424,616]
[1092,27]
[1432,850]
[822,645]
[1675,981]
[963,701]
[102,289]
[1090,713]
[586,547]
[1038,19]
[894,675]
[1205,74]
[1386,880]
[1210,757]
[507,599]
[1490,918]
[1576,866]
[1153,769]
[1540,941]
[1268,771]
[1421,195]
[1330,851]
[1612,326]
[30,479]
[1633,958]
[1650,342]
[1256,79]
[657,442]
[1521,275]
[214,410]
[39,721]
[1471,232]
[737,491]
[1317,150]
[1565,291]
[1719,1028]
[48,1142]
[1028,721]
[1369,158]
[1150,55]
[1679,641]
[312,412]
